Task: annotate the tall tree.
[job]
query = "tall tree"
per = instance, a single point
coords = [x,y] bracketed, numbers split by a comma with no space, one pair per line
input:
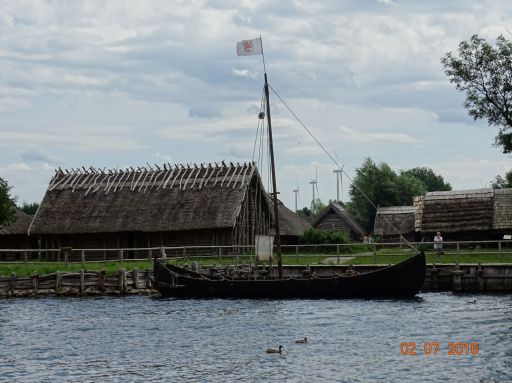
[484,73]
[431,181]
[383,187]
[6,203]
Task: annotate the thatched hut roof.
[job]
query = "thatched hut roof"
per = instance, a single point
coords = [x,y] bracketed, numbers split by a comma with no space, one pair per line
[146,199]
[502,218]
[455,211]
[343,214]
[19,225]
[394,220]
[290,223]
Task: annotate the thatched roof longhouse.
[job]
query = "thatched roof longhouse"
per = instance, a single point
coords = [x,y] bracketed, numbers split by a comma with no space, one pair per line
[147,199]
[457,211]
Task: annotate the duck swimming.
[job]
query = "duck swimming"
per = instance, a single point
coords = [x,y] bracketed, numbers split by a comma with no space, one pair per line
[305,340]
[275,350]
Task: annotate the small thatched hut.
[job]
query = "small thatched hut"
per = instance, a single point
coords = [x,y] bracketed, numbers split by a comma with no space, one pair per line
[336,218]
[205,205]
[14,235]
[395,221]
[291,225]
[477,214]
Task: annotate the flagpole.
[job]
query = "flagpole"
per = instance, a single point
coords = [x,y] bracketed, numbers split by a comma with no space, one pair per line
[263,55]
[272,165]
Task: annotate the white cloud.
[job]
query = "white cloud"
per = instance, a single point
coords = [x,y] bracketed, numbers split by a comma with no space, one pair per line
[351,136]
[125,82]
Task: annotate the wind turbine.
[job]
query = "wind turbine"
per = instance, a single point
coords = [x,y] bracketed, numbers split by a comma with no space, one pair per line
[339,179]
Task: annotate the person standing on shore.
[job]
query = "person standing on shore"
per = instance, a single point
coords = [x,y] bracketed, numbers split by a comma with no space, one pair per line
[438,243]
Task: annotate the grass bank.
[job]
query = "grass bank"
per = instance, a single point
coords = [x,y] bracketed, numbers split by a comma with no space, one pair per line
[387,256]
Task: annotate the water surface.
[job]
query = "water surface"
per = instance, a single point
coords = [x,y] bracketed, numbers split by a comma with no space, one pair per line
[145,339]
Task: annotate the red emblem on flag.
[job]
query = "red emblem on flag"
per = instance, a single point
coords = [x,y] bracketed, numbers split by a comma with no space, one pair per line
[248,46]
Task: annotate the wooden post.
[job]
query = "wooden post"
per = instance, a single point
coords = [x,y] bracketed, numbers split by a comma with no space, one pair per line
[338,254]
[123,286]
[58,278]
[121,256]
[13,282]
[83,258]
[374,249]
[499,248]
[125,282]
[82,280]
[135,277]
[25,257]
[147,278]
[67,254]
[101,280]
[220,255]
[457,278]
[35,282]
[297,254]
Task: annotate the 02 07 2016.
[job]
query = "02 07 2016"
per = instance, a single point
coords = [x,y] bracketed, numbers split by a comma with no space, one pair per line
[436,348]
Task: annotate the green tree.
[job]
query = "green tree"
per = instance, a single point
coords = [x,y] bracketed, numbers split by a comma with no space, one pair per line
[304,212]
[408,187]
[431,181]
[378,184]
[29,208]
[500,182]
[317,206]
[383,187]
[6,203]
[484,73]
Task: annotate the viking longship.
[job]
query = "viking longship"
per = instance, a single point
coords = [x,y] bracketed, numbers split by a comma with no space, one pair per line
[401,280]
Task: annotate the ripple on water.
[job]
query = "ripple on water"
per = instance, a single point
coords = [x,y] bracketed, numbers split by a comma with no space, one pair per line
[145,339]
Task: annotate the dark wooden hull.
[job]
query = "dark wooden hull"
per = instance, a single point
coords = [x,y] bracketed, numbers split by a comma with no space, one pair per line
[401,280]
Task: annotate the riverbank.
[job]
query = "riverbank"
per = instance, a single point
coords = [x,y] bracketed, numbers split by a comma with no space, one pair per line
[485,278]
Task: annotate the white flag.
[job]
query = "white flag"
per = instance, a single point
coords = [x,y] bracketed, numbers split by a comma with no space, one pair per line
[249,47]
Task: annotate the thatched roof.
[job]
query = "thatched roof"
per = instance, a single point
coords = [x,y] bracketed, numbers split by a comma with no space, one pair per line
[502,218]
[343,214]
[290,223]
[147,199]
[394,220]
[19,225]
[455,211]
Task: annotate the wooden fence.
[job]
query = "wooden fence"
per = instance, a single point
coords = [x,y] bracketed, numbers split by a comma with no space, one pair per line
[81,283]
[69,255]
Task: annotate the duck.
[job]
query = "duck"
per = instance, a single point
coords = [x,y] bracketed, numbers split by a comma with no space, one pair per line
[275,350]
[471,301]
[305,340]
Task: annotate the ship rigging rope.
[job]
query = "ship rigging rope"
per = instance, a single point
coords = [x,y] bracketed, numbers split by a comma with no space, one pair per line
[338,165]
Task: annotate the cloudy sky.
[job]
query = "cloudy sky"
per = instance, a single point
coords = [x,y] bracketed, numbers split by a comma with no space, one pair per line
[125,83]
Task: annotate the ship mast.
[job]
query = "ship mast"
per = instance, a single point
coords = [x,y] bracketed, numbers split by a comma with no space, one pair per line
[274,185]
